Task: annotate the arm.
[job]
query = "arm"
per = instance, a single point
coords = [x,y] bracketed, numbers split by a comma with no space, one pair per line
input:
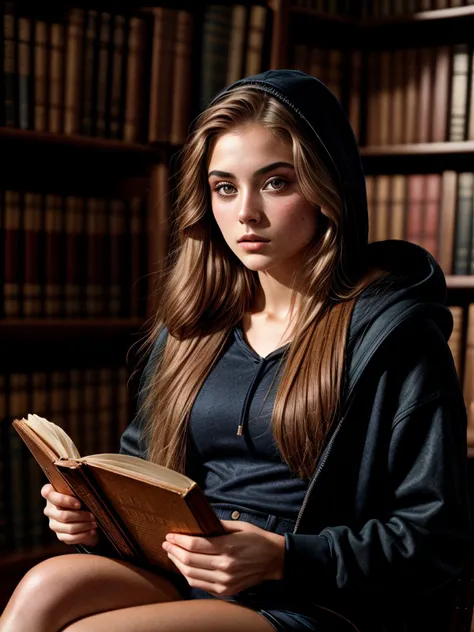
[131,441]
[421,539]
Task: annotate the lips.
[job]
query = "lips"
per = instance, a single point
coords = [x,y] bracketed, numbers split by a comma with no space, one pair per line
[253,238]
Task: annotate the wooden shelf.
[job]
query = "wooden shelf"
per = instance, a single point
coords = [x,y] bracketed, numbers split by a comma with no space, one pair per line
[61,330]
[86,143]
[419,149]
[73,165]
[418,157]
[460,281]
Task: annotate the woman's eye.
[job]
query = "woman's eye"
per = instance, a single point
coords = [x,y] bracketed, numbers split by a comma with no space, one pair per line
[277,184]
[224,189]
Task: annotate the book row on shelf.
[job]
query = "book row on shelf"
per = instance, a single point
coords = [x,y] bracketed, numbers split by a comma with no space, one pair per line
[92,405]
[233,46]
[410,95]
[435,211]
[71,256]
[81,72]
[127,77]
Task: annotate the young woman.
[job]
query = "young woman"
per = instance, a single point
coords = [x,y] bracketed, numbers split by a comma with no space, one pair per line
[303,378]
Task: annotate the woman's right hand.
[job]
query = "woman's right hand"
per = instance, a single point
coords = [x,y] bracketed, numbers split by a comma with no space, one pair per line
[70,524]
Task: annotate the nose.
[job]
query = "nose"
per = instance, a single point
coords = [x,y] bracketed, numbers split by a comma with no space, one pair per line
[250,210]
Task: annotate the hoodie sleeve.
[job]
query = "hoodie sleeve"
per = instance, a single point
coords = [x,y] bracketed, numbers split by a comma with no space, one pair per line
[131,442]
[422,538]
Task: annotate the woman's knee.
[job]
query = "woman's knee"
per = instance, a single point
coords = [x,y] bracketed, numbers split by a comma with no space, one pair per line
[39,595]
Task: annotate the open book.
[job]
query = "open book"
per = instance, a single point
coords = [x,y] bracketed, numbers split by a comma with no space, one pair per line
[135,502]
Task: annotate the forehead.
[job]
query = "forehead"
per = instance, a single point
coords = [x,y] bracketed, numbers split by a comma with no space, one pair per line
[253,142]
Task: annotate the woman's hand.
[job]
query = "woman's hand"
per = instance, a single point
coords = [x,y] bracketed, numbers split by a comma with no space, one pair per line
[226,564]
[71,524]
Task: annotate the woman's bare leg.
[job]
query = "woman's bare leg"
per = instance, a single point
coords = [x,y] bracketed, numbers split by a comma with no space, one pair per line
[200,615]
[69,587]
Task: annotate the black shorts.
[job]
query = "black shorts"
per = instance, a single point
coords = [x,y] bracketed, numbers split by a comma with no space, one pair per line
[284,612]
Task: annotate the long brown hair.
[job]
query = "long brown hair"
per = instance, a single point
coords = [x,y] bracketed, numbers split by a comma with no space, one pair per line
[206,291]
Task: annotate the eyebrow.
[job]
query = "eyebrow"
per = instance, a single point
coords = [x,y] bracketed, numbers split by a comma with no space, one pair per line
[259,172]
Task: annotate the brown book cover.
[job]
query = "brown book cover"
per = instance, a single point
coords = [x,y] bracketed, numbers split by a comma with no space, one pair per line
[41,63]
[447,220]
[256,36]
[103,73]
[117,97]
[464,223]
[432,212]
[455,341]
[181,79]
[12,255]
[118,258]
[397,96]
[136,503]
[459,85]
[33,261]
[56,75]
[415,203]
[135,77]
[137,259]
[235,68]
[398,203]
[411,94]
[89,72]
[74,61]
[25,75]
[373,98]
[97,259]
[355,91]
[382,208]
[385,99]
[425,98]
[370,183]
[441,87]
[53,236]
[74,236]
[9,78]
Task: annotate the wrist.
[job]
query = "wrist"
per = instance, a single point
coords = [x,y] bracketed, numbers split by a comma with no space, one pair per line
[277,562]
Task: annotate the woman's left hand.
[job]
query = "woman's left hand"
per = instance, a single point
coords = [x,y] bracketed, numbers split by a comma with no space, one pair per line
[226,564]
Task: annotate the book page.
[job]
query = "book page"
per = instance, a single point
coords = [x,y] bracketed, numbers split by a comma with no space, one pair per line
[139,468]
[54,436]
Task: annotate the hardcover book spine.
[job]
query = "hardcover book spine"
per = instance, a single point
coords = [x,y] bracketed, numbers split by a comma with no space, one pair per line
[74,61]
[76,477]
[41,76]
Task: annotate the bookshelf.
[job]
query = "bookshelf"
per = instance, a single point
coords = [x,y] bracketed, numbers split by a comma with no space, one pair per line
[98,98]
[368,61]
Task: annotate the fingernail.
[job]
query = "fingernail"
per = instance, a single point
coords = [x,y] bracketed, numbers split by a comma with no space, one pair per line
[95,525]
[166,546]
[76,505]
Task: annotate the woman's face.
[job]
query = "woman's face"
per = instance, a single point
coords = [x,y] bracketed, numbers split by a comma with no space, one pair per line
[254,190]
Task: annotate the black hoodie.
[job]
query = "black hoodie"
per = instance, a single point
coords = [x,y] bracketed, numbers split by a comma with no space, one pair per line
[384,527]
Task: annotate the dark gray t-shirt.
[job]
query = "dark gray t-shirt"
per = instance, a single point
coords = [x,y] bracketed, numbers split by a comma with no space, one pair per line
[245,471]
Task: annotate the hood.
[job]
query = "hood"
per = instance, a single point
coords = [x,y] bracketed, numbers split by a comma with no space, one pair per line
[415,286]
[414,290]
[317,107]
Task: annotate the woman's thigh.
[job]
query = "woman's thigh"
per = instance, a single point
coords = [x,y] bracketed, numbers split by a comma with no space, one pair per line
[201,615]
[63,589]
